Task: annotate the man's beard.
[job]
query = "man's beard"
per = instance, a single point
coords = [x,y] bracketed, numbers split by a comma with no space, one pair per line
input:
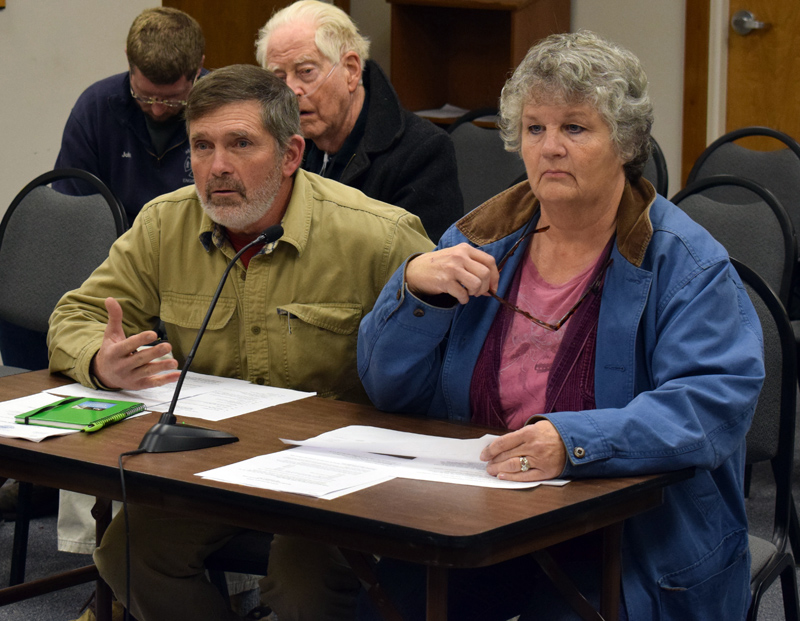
[240,216]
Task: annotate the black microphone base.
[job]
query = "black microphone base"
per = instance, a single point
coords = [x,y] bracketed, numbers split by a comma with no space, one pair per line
[168,438]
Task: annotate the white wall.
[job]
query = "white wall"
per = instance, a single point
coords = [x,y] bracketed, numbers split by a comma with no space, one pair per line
[654,31]
[50,50]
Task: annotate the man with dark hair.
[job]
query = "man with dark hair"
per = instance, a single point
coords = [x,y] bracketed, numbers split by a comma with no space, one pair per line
[128,129]
[356,130]
[288,315]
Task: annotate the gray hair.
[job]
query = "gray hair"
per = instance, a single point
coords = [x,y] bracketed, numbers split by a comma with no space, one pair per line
[280,114]
[335,33]
[582,67]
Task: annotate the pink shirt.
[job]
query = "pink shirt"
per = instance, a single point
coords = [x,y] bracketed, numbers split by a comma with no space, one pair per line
[529,350]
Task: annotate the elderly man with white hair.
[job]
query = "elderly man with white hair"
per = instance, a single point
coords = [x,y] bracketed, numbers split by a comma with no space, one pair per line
[356,130]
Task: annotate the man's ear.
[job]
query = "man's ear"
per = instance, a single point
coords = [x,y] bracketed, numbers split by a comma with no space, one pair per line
[293,156]
[352,64]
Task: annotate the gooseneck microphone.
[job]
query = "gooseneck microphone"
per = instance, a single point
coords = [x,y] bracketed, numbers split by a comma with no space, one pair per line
[166,436]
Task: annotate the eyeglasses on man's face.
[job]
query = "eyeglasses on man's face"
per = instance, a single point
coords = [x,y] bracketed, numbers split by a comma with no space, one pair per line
[152,101]
[553,327]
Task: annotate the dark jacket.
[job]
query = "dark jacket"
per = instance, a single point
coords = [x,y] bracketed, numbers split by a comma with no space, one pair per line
[106,135]
[405,160]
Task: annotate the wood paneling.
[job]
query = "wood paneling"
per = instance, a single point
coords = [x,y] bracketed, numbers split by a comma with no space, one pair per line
[462,51]
[695,83]
[231,28]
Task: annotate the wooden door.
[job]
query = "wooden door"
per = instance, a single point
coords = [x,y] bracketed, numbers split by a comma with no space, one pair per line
[764,68]
[763,77]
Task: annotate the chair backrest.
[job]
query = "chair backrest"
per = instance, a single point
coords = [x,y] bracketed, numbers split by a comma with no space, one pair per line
[771,434]
[778,170]
[50,243]
[749,221]
[655,169]
[485,168]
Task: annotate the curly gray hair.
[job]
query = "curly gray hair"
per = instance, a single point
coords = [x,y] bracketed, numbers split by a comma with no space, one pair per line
[582,67]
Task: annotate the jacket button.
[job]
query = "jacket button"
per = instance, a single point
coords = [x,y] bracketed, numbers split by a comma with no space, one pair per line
[579,452]
[260,381]
[419,312]
[399,293]
[255,330]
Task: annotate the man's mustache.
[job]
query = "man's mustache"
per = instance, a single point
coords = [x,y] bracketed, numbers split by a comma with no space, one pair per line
[225,184]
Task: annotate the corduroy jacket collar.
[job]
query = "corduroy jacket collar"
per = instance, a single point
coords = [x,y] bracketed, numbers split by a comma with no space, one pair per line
[511,210]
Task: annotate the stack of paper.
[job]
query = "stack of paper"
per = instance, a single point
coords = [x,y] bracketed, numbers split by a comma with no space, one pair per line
[352,458]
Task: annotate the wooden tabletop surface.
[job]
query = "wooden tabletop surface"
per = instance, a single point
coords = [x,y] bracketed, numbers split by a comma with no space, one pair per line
[434,523]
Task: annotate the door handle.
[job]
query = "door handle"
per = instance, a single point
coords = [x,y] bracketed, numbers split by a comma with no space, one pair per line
[744,22]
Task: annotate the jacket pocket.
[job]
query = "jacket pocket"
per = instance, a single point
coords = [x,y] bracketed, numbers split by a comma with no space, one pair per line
[319,346]
[188,311]
[715,587]
[183,315]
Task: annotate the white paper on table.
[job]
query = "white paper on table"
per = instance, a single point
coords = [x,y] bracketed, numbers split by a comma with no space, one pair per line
[443,460]
[194,384]
[463,473]
[305,471]
[227,402]
[36,433]
[202,396]
[446,111]
[389,442]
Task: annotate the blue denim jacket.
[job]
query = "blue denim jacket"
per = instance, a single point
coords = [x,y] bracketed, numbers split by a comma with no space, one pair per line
[678,370]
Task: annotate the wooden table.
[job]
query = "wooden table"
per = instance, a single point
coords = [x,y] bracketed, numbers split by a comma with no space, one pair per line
[439,525]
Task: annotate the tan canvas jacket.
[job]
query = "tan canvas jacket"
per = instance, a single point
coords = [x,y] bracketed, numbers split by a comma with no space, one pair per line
[290,320]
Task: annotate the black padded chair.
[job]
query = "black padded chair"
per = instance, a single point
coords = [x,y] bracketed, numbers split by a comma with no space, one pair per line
[485,168]
[755,229]
[49,244]
[771,440]
[777,170]
[749,221]
[655,169]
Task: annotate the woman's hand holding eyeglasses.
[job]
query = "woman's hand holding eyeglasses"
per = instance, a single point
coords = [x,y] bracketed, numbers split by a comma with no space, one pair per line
[461,271]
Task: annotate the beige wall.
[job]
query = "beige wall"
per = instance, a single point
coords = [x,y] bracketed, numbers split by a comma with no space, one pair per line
[653,30]
[50,50]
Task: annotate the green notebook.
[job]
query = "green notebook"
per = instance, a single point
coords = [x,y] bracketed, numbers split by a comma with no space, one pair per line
[84,413]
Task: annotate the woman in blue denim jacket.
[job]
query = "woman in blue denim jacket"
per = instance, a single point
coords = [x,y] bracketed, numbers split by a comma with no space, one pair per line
[602,326]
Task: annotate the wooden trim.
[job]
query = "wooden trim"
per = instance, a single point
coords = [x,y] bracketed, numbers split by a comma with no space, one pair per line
[695,83]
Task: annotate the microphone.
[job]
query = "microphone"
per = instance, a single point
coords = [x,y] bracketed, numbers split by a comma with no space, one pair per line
[166,436]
